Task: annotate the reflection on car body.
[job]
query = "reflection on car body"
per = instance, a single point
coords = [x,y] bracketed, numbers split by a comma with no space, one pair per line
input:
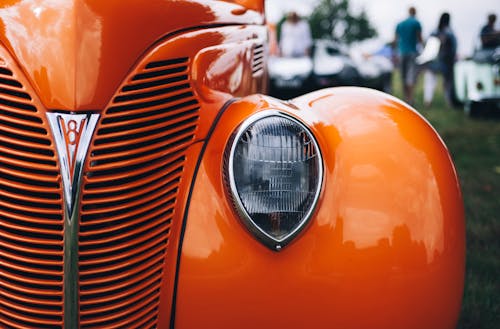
[147,182]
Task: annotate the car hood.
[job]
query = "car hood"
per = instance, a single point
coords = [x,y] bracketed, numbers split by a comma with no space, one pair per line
[76,53]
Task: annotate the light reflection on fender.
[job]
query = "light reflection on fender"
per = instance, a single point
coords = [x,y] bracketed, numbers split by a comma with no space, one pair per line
[385,248]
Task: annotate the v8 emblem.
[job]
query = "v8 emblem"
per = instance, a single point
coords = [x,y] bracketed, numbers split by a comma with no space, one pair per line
[72,134]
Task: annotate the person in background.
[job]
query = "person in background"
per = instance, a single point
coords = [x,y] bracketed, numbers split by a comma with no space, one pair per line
[490,38]
[295,37]
[443,64]
[408,36]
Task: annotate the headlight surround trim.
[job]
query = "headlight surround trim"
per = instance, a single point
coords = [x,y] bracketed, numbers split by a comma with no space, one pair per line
[274,243]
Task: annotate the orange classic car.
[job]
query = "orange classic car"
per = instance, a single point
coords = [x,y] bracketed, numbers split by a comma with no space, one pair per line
[147,182]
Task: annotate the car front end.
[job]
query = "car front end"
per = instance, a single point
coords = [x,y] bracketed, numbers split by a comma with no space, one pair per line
[146,182]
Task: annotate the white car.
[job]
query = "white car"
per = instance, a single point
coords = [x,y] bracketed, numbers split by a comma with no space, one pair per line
[290,76]
[477,82]
[335,65]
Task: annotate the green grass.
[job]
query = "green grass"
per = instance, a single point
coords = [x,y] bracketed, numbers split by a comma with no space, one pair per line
[475,148]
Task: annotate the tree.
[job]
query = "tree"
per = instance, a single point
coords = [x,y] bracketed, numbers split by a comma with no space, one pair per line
[332,19]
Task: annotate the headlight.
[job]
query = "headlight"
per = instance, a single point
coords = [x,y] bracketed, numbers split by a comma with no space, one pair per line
[274,170]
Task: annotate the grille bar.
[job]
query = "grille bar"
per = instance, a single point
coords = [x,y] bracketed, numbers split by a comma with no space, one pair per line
[134,172]
[30,213]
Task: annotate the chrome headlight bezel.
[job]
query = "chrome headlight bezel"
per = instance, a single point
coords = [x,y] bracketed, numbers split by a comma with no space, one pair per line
[273,243]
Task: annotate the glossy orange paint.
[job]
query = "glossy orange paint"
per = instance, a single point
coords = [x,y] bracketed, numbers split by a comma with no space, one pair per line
[76,53]
[160,78]
[384,249]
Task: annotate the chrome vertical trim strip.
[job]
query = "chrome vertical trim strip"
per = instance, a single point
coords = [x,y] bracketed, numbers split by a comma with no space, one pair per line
[72,135]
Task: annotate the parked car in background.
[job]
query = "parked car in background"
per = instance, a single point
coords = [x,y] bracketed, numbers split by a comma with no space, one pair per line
[477,82]
[333,65]
[146,181]
[290,76]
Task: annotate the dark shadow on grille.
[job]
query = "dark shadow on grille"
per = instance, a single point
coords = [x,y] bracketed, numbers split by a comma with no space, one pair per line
[23,116]
[27,159]
[124,240]
[159,231]
[258,62]
[134,262]
[56,236]
[34,255]
[19,282]
[43,248]
[119,285]
[32,171]
[152,93]
[157,140]
[117,182]
[132,199]
[28,181]
[23,202]
[19,126]
[129,305]
[10,82]
[129,316]
[124,284]
[56,279]
[167,62]
[111,214]
[55,217]
[43,316]
[146,323]
[149,287]
[155,83]
[5,71]
[123,262]
[154,74]
[23,106]
[194,117]
[26,192]
[158,214]
[36,140]
[33,323]
[136,106]
[51,268]
[146,114]
[140,155]
[28,149]
[15,93]
[97,196]
[45,306]
[30,295]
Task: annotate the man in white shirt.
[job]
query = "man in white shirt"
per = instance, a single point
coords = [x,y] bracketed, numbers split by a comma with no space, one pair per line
[296,40]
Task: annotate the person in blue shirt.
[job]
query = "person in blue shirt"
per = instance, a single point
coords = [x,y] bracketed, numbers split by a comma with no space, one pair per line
[490,38]
[408,36]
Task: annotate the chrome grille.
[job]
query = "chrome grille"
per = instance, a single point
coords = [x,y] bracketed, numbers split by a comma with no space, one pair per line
[31,214]
[133,174]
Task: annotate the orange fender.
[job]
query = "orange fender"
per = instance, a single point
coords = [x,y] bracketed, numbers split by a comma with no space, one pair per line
[385,247]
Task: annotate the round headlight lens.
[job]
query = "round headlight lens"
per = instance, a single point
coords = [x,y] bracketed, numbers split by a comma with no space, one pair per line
[275,174]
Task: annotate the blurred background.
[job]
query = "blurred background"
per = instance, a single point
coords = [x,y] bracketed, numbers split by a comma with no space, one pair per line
[467,16]
[352,42]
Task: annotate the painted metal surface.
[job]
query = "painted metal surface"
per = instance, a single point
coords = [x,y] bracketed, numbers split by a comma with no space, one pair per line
[385,246]
[384,249]
[155,106]
[77,52]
